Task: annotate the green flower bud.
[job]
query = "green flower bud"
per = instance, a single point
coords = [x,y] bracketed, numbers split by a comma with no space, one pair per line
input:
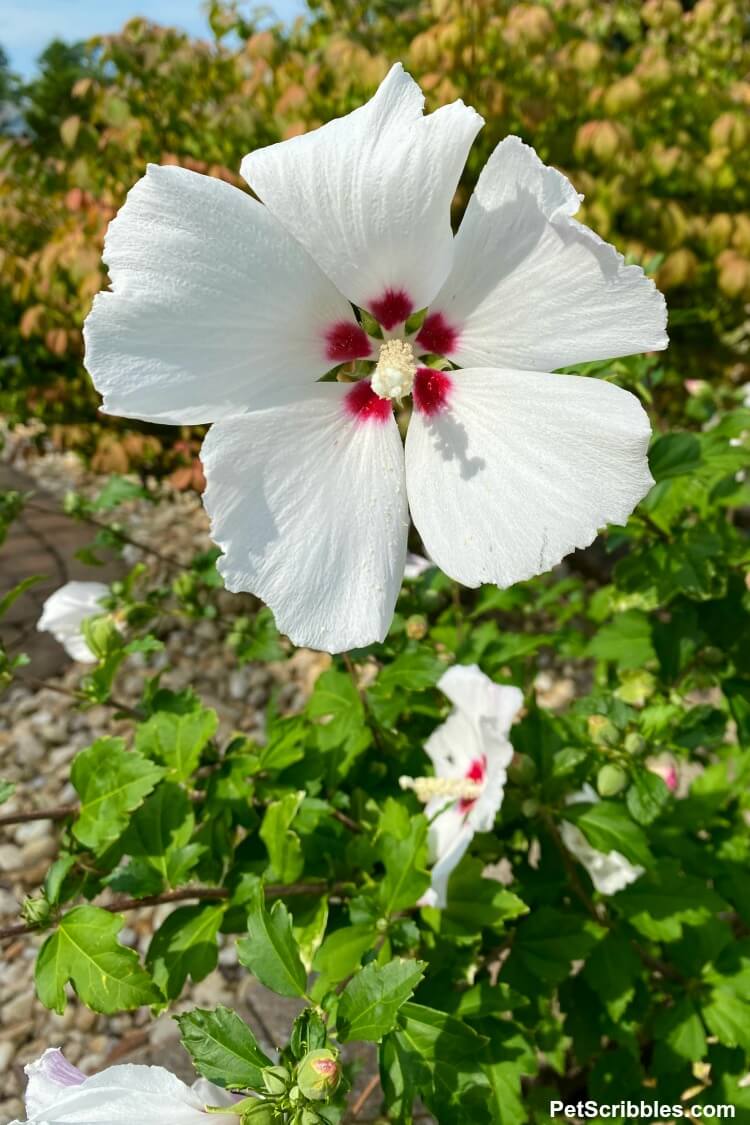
[310,1117]
[259,1114]
[610,780]
[530,807]
[416,627]
[634,743]
[276,1080]
[318,1074]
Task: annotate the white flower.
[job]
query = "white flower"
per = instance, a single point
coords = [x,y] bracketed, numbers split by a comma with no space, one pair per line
[610,872]
[65,611]
[471,754]
[228,310]
[61,1094]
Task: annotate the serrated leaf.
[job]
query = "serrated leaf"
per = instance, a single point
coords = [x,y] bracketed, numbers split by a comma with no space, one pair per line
[609,828]
[84,950]
[370,1002]
[612,970]
[185,945]
[340,954]
[223,1048]
[403,850]
[548,940]
[283,845]
[161,831]
[647,796]
[111,784]
[177,740]
[270,951]
[664,900]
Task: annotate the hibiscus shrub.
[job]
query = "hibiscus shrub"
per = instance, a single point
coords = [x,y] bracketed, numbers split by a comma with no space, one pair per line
[551,972]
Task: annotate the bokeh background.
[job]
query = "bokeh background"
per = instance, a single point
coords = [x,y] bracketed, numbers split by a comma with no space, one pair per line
[645,106]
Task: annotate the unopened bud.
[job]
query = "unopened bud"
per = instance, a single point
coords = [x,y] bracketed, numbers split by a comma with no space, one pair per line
[522,770]
[318,1074]
[602,731]
[416,627]
[276,1080]
[611,780]
[530,807]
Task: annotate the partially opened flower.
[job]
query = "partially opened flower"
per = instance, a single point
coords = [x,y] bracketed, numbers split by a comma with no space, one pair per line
[59,1092]
[65,611]
[228,310]
[610,872]
[471,753]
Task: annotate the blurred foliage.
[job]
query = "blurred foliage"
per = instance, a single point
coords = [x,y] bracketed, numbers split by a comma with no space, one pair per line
[644,106]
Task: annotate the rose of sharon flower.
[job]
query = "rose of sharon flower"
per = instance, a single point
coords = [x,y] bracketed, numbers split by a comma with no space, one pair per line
[471,754]
[59,1092]
[610,872]
[65,611]
[228,310]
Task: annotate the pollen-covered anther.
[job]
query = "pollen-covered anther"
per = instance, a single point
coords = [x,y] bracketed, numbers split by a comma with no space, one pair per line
[393,376]
[458,788]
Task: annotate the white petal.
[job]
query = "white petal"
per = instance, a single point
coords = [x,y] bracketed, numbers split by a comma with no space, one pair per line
[609,872]
[210,1094]
[531,288]
[128,1095]
[469,689]
[47,1077]
[307,501]
[65,611]
[369,194]
[416,565]
[454,745]
[449,836]
[213,304]
[513,470]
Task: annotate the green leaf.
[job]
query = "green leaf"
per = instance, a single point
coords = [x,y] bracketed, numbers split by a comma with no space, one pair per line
[309,926]
[7,789]
[507,1058]
[370,1002]
[84,950]
[548,940]
[185,945]
[336,699]
[283,845]
[680,1036]
[474,902]
[111,784]
[664,900]
[177,740]
[608,827]
[626,640]
[442,1057]
[673,455]
[15,593]
[223,1048]
[161,831]
[403,850]
[647,796]
[341,953]
[612,970]
[269,950]
[727,1017]
[417,670]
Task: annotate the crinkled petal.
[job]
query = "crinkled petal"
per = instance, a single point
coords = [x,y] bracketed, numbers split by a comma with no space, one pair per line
[530,287]
[122,1094]
[47,1077]
[308,503]
[469,689]
[369,194]
[509,471]
[213,305]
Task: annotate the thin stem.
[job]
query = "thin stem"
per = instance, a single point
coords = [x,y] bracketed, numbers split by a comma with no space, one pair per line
[349,664]
[362,1099]
[59,812]
[183,894]
[81,697]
